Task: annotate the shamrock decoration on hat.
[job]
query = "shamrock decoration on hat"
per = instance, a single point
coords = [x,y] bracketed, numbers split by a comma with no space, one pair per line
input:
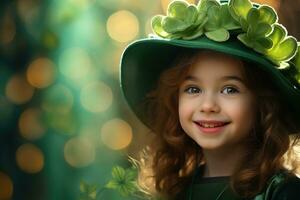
[255,26]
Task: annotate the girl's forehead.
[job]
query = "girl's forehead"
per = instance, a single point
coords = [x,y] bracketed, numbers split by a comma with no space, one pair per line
[214,62]
[209,55]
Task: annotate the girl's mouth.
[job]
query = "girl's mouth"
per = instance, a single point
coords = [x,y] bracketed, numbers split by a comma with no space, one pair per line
[211,126]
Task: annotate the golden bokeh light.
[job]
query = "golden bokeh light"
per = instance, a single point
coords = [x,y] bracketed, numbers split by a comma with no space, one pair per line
[122,26]
[8,29]
[75,63]
[116,134]
[79,152]
[30,158]
[41,73]
[6,186]
[58,99]
[96,97]
[112,62]
[165,3]
[30,124]
[18,90]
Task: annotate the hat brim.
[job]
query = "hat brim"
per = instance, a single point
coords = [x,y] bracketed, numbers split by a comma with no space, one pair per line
[143,61]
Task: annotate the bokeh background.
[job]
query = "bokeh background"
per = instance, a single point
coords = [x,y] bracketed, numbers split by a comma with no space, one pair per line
[63,118]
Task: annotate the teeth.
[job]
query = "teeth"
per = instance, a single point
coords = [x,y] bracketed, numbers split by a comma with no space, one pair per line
[211,125]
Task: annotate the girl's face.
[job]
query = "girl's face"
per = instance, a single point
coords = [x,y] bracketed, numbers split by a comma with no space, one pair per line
[216,109]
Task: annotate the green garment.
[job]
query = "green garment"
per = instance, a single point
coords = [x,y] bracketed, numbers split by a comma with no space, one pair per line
[211,189]
[281,186]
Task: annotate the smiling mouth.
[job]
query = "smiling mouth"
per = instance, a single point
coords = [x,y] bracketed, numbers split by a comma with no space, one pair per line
[211,124]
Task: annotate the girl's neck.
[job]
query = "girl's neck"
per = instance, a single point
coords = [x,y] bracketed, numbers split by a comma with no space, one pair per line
[222,162]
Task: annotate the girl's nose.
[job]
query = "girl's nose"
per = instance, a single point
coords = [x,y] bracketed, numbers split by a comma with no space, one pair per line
[209,104]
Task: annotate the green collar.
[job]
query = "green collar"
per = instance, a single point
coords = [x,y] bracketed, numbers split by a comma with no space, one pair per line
[272,186]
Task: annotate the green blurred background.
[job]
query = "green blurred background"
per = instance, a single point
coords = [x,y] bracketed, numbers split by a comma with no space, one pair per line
[63,118]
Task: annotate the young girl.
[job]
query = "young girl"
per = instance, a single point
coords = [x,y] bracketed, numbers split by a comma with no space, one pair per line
[222,98]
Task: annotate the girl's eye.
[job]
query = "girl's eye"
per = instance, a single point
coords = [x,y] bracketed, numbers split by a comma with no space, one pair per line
[230,90]
[192,90]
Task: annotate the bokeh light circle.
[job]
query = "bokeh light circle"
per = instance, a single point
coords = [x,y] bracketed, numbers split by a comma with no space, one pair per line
[79,152]
[41,72]
[75,63]
[30,124]
[116,134]
[18,90]
[122,26]
[6,187]
[96,97]
[30,158]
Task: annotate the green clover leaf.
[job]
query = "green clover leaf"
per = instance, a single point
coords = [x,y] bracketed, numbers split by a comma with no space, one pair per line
[219,23]
[284,47]
[260,21]
[239,9]
[278,34]
[180,16]
[228,21]
[258,25]
[267,14]
[259,30]
[124,181]
[247,15]
[182,21]
[173,25]
[156,26]
[204,5]
[177,9]
[218,35]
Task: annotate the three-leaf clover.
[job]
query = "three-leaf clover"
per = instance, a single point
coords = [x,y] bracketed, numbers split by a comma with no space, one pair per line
[123,180]
[262,32]
[182,21]
[256,25]
[284,47]
[256,22]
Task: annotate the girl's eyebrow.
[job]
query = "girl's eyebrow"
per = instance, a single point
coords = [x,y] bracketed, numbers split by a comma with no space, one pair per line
[191,78]
[236,78]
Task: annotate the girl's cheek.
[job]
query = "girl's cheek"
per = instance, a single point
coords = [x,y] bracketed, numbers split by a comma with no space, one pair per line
[185,109]
[244,108]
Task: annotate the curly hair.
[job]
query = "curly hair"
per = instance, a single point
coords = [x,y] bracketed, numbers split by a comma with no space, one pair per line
[171,167]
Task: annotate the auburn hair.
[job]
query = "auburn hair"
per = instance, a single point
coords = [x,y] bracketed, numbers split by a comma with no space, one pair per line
[172,157]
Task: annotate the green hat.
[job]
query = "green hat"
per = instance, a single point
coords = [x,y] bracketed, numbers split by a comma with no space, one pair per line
[248,31]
